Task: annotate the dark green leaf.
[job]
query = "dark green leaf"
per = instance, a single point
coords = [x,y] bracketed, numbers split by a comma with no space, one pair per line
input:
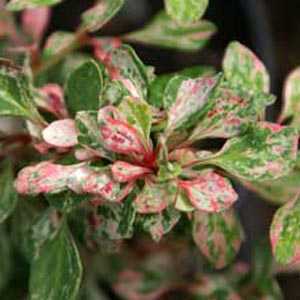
[84,88]
[56,273]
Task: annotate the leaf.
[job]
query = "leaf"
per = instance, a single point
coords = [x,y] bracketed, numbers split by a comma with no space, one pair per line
[158,86]
[284,233]
[61,133]
[291,95]
[227,113]
[16,96]
[138,114]
[218,236]
[25,4]
[44,177]
[266,151]
[57,42]
[209,192]
[125,66]
[116,220]
[159,224]
[125,172]
[43,229]
[244,70]
[35,22]
[89,136]
[9,197]
[162,31]
[84,88]
[6,262]
[56,273]
[187,11]
[191,97]
[97,16]
[155,197]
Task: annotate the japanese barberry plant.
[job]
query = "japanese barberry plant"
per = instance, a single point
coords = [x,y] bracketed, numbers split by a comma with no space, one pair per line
[109,151]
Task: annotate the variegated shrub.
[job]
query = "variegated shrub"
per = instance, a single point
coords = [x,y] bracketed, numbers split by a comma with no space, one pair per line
[111,150]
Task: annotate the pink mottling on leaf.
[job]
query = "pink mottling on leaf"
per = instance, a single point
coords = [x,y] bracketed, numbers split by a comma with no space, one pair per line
[61,133]
[274,127]
[124,172]
[209,192]
[35,22]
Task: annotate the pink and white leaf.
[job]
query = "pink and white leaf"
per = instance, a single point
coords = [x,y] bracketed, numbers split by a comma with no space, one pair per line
[209,192]
[61,133]
[125,172]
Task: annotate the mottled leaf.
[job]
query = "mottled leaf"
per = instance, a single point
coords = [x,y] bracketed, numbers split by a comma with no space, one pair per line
[57,42]
[125,172]
[61,133]
[218,236]
[266,151]
[158,85]
[138,113]
[155,197]
[291,94]
[187,11]
[244,70]
[191,97]
[89,136]
[56,273]
[23,4]
[97,16]
[159,224]
[162,31]
[209,192]
[228,111]
[9,197]
[16,95]
[84,87]
[284,234]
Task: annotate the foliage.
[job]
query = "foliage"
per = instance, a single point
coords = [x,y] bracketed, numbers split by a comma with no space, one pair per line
[110,151]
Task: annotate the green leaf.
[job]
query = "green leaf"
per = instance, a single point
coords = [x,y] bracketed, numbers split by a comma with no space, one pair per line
[58,42]
[139,114]
[158,86]
[227,113]
[265,152]
[291,94]
[84,87]
[25,4]
[97,16]
[9,197]
[218,236]
[244,70]
[162,31]
[89,134]
[16,93]
[284,234]
[157,225]
[130,70]
[6,262]
[116,220]
[191,97]
[56,273]
[187,11]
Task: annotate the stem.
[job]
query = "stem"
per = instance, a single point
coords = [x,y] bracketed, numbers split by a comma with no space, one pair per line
[79,40]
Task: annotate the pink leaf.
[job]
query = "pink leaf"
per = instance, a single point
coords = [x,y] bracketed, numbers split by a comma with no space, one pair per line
[85,180]
[45,177]
[119,136]
[61,133]
[35,22]
[53,100]
[210,192]
[124,172]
